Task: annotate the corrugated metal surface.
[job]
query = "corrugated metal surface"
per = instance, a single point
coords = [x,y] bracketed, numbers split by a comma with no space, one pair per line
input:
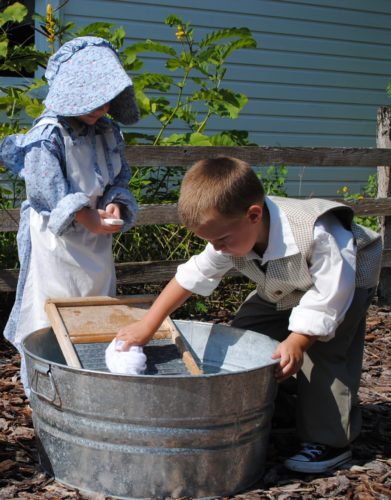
[317,77]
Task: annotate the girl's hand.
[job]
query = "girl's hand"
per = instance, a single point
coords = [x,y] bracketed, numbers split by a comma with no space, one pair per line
[291,354]
[113,210]
[94,221]
[137,333]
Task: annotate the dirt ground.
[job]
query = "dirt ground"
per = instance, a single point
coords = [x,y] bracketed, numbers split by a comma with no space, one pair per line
[366,477]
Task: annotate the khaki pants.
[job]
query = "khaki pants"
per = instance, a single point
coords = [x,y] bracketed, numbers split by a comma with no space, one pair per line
[326,410]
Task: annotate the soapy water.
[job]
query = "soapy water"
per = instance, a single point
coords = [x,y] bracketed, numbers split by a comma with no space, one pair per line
[163,358]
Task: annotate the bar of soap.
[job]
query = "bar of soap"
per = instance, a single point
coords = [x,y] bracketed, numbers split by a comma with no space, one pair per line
[114,222]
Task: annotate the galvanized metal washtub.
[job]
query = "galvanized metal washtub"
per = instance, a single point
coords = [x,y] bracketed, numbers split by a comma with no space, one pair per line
[156,436]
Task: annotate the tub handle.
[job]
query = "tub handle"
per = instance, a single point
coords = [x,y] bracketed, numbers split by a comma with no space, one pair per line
[34,384]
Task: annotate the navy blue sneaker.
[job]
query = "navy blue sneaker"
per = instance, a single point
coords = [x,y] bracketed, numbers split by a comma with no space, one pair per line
[317,458]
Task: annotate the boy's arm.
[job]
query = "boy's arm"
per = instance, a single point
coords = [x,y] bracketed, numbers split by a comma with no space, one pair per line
[139,333]
[323,307]
[201,274]
[333,269]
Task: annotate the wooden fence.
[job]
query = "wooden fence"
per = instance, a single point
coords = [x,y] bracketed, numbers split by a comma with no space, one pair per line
[170,156]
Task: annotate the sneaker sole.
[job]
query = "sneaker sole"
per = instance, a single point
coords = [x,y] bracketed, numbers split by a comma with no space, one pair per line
[324,466]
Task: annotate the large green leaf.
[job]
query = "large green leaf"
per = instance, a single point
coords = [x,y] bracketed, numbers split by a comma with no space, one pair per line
[131,137]
[143,103]
[244,43]
[25,58]
[216,36]
[222,102]
[222,139]
[173,19]
[230,138]
[147,46]
[154,81]
[99,27]
[187,114]
[173,64]
[34,108]
[217,54]
[198,139]
[133,66]
[37,83]
[175,140]
[231,103]
[13,13]
[3,48]
[104,30]
[211,55]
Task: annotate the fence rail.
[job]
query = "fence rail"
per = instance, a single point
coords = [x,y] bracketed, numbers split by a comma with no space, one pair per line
[177,156]
[184,156]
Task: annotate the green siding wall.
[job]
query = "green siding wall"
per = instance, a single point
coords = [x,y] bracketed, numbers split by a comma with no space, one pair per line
[317,77]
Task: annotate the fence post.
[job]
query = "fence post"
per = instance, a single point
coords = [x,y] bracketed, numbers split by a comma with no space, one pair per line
[384,191]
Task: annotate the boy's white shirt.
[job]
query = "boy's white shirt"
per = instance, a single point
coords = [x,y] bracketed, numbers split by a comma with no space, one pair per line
[333,264]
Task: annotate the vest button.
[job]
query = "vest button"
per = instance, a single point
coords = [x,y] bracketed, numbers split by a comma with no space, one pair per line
[277,293]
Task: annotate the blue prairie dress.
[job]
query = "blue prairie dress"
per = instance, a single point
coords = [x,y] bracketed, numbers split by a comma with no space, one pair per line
[66,165]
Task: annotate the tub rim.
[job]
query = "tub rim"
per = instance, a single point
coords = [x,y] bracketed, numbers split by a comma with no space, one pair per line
[85,371]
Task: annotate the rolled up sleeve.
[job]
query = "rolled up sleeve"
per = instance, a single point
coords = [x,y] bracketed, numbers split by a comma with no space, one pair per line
[203,272]
[333,268]
[129,211]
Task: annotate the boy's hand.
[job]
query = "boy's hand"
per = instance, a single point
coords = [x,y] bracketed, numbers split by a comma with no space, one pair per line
[291,353]
[137,333]
[140,332]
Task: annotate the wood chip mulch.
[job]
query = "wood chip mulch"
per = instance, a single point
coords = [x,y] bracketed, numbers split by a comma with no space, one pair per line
[366,477]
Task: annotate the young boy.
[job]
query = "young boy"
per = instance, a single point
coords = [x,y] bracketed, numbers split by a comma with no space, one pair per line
[316,273]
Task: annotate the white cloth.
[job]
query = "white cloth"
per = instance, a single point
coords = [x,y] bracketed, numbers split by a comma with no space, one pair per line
[332,266]
[131,362]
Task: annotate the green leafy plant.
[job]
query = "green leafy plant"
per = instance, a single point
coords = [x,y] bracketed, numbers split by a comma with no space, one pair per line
[189,99]
[368,191]
[200,66]
[273,179]
[17,58]
[11,192]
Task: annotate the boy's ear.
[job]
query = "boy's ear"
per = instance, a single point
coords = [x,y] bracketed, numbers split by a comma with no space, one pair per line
[254,213]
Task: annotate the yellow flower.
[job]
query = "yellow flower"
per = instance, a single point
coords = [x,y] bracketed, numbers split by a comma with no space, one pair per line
[345,189]
[50,26]
[181,33]
[49,11]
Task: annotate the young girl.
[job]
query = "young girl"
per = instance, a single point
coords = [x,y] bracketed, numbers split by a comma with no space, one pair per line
[76,178]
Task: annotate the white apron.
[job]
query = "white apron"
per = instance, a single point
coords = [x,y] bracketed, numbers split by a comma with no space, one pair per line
[78,263]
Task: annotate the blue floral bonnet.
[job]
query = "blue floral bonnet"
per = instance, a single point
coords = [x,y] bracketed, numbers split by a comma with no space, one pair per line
[86,73]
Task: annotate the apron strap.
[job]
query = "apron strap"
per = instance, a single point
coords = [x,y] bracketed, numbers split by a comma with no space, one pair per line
[51,121]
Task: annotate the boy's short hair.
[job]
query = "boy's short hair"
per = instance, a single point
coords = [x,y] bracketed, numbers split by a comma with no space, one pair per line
[225,184]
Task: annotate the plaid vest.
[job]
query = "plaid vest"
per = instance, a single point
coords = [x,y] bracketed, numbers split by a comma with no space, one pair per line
[286,280]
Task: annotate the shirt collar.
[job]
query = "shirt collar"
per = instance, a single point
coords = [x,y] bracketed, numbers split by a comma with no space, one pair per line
[281,241]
